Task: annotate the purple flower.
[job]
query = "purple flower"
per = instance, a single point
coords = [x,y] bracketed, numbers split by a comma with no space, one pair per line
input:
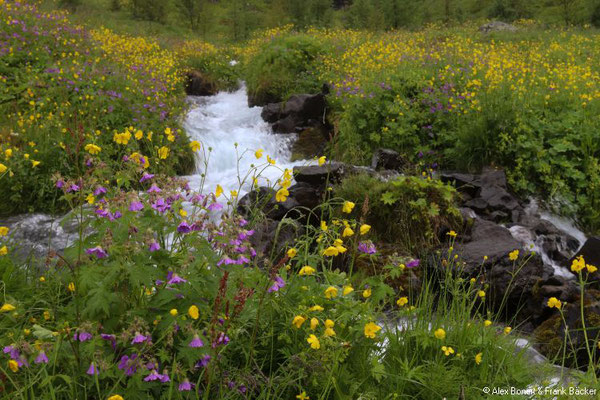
[367,248]
[97,251]
[176,279]
[203,362]
[99,190]
[14,353]
[196,342]
[165,377]
[184,227]
[92,370]
[153,376]
[146,177]
[185,386]
[154,246]
[129,364]
[160,205]
[136,206]
[215,206]
[243,222]
[73,188]
[154,189]
[278,284]
[82,336]
[139,338]
[60,183]
[413,263]
[41,358]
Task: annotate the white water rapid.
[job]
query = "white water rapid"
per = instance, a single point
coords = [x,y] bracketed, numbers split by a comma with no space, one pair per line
[219,123]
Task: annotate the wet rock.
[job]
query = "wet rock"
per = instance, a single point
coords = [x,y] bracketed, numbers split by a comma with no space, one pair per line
[591,254]
[311,142]
[196,84]
[550,335]
[386,159]
[486,239]
[318,175]
[297,113]
[272,236]
[497,26]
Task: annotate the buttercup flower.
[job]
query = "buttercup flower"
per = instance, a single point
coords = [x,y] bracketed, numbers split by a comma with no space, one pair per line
[513,255]
[193,312]
[371,330]
[347,290]
[402,301]
[298,321]
[478,358]
[322,160]
[314,342]
[306,270]
[316,308]
[331,292]
[7,307]
[314,322]
[447,350]
[364,229]
[553,302]
[440,334]
[348,207]
[291,253]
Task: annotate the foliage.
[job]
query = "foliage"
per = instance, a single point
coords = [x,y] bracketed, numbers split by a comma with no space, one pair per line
[283,67]
[410,212]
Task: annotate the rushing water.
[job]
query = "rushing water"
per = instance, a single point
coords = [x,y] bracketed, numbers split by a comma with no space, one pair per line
[220,123]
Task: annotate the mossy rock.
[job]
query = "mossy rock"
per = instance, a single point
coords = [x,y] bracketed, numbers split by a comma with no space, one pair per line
[311,142]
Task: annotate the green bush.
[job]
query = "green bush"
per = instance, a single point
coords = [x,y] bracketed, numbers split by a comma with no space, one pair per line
[284,66]
[409,212]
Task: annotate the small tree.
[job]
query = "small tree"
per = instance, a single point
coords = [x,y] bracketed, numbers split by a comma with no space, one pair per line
[567,10]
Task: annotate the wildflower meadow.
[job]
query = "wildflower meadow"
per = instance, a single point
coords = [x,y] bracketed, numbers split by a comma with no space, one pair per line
[327,278]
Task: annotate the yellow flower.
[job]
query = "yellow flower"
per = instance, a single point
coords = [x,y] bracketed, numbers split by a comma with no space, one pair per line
[3,168]
[578,264]
[71,287]
[314,322]
[329,332]
[27,332]
[554,302]
[331,292]
[371,330]
[487,322]
[6,307]
[591,269]
[478,358]
[298,321]
[513,255]
[292,252]
[324,226]
[348,206]
[440,334]
[302,396]
[367,293]
[347,232]
[3,251]
[218,191]
[452,234]
[364,229]
[35,163]
[8,153]
[13,365]
[47,315]
[42,279]
[331,251]
[347,290]
[329,323]
[447,350]
[322,160]
[183,213]
[282,195]
[173,312]
[316,308]
[90,199]
[115,397]
[258,153]
[195,145]
[507,330]
[402,301]
[270,160]
[306,270]
[481,294]
[163,152]
[193,312]
[139,134]
[3,230]
[92,148]
[314,342]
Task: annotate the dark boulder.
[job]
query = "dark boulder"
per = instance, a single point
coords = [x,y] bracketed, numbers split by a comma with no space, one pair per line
[318,175]
[196,84]
[591,254]
[387,159]
[272,236]
[297,113]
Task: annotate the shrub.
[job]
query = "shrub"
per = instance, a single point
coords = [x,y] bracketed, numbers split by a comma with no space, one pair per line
[410,212]
[284,66]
